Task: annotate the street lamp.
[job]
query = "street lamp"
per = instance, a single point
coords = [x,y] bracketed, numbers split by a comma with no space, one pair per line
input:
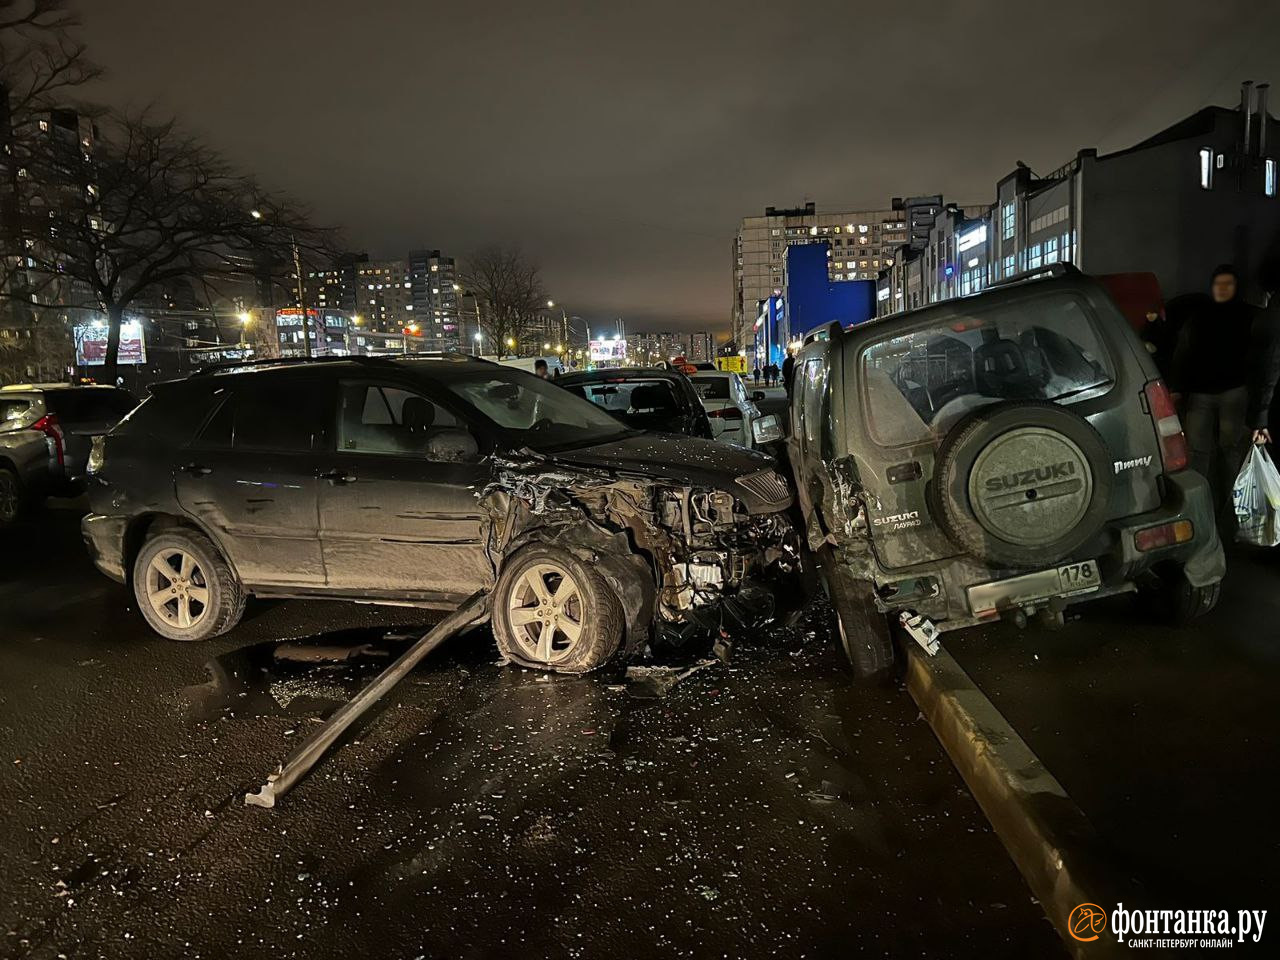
[302,293]
[245,320]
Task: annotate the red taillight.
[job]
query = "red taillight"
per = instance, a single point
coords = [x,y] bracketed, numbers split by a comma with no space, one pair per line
[1173,442]
[727,413]
[1165,535]
[48,425]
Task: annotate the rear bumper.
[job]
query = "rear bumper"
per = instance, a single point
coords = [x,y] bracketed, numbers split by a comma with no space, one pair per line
[940,591]
[104,539]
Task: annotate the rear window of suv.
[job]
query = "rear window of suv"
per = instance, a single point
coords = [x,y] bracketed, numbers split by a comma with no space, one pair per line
[920,384]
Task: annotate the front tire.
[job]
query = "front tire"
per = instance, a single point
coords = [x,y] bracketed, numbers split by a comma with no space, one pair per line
[553,612]
[184,588]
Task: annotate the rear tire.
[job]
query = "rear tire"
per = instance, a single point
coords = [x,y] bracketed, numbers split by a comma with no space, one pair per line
[12,498]
[553,612]
[184,588]
[863,632]
[1187,603]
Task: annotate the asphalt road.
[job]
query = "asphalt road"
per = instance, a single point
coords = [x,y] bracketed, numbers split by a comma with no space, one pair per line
[760,808]
[1167,738]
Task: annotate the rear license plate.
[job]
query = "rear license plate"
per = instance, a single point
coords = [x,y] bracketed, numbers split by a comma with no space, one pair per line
[1066,580]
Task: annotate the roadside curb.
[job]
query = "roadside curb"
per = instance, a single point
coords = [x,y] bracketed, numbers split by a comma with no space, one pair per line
[1048,837]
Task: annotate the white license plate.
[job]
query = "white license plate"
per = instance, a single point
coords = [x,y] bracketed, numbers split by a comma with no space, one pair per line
[1069,579]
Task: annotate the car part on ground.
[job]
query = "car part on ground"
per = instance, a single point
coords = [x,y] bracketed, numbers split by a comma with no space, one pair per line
[308,753]
[1004,455]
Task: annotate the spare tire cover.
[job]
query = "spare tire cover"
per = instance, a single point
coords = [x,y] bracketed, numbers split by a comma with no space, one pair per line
[1022,484]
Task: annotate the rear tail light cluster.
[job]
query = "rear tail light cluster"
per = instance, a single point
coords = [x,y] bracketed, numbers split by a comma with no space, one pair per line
[1173,442]
[728,413]
[48,425]
[1165,535]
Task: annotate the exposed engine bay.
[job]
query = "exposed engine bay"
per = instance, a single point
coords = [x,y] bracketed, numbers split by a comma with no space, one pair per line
[711,563]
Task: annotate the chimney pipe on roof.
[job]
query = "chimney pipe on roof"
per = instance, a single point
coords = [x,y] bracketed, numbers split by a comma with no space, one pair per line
[1246,111]
[1262,118]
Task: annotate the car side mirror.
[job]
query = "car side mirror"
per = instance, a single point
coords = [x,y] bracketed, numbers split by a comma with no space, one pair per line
[766,429]
[452,446]
[757,396]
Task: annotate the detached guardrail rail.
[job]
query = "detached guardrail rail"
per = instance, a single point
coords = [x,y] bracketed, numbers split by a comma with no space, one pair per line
[308,753]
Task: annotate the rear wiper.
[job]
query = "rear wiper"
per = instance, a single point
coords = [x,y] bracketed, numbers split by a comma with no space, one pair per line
[1075,393]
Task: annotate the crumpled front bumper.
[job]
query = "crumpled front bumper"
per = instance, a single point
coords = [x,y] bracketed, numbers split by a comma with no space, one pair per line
[104,539]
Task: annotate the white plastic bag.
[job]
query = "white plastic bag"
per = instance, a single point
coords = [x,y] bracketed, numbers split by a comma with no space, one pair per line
[1256,496]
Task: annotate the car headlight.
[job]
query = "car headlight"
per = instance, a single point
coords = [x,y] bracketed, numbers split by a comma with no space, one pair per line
[96,454]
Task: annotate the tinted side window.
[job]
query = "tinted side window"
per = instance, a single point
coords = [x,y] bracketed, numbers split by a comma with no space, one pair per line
[172,414]
[378,418]
[273,413]
[90,404]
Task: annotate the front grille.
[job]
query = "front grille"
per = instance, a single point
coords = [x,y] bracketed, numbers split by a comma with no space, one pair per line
[768,485]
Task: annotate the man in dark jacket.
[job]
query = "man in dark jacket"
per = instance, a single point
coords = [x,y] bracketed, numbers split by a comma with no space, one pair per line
[788,372]
[1225,372]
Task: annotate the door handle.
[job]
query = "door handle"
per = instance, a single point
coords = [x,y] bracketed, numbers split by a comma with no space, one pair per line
[338,477]
[197,470]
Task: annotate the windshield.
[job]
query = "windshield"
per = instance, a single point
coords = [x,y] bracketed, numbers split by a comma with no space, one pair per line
[920,384]
[531,412]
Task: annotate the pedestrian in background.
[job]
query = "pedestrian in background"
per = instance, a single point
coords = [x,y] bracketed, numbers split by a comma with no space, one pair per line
[1224,377]
[788,372]
[755,374]
[540,368]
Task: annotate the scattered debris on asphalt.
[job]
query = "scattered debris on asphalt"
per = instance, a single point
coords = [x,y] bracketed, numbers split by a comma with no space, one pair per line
[655,682]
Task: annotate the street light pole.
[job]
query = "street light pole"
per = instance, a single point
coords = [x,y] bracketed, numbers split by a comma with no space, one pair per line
[302,297]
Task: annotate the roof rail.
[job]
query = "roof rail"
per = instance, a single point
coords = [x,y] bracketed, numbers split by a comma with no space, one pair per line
[285,361]
[1040,273]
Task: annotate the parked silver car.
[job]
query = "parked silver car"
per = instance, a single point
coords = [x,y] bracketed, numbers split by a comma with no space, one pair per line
[68,416]
[25,456]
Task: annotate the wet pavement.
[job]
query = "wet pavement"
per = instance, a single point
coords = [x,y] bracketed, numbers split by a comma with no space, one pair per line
[756,808]
[1167,738]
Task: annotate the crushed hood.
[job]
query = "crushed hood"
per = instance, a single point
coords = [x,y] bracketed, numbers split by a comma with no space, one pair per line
[682,460]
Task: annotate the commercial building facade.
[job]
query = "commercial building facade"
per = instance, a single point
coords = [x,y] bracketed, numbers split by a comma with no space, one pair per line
[1199,193]
[862,243]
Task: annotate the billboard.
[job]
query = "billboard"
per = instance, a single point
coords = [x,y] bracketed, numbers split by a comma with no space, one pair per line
[609,351]
[734,364]
[91,343]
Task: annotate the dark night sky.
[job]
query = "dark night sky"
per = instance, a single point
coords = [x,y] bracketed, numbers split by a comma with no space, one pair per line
[620,143]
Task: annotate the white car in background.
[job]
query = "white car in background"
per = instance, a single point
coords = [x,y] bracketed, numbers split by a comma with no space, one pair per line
[732,410]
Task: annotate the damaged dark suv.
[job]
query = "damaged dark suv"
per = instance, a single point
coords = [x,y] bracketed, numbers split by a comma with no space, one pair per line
[422,481]
[995,456]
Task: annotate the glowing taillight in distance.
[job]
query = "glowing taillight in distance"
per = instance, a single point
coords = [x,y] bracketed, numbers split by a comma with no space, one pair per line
[1173,442]
[48,425]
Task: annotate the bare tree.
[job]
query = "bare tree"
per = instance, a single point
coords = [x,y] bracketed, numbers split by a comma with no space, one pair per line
[508,290]
[40,61]
[150,205]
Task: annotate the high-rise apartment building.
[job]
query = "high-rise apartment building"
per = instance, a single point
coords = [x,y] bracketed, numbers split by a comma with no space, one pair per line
[651,348]
[863,242]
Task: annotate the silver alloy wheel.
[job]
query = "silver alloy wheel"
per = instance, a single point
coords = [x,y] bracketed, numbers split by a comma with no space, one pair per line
[545,612]
[8,498]
[177,589]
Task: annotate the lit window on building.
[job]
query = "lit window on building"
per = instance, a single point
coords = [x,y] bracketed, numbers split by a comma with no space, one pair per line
[1010,265]
[1008,220]
[1033,257]
[1206,168]
[1051,251]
